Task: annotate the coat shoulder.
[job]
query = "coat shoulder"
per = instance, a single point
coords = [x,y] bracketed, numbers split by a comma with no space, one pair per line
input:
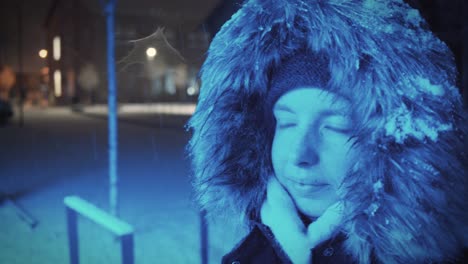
[258,246]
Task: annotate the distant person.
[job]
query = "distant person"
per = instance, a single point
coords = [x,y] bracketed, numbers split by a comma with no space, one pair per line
[7,80]
[334,131]
[88,80]
[44,87]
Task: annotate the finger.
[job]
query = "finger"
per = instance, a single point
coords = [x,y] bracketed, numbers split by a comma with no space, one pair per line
[326,225]
[292,239]
[278,195]
[279,208]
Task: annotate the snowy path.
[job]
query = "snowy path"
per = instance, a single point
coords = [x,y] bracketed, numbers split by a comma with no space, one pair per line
[59,153]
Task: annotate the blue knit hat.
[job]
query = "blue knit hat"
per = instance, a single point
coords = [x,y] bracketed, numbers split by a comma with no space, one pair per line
[303,68]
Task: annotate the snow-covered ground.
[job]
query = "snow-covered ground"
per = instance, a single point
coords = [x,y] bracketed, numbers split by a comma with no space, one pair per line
[58,153]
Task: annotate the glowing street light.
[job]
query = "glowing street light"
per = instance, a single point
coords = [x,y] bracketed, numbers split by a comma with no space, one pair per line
[43,53]
[151,52]
[56,48]
[191,90]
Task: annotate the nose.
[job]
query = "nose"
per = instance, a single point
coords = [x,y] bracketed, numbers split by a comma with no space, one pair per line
[305,151]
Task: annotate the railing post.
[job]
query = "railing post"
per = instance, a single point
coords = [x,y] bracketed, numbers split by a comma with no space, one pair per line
[75,205]
[203,238]
[72,236]
[127,249]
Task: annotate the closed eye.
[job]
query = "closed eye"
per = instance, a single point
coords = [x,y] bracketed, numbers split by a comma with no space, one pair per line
[283,125]
[338,124]
[339,129]
[285,119]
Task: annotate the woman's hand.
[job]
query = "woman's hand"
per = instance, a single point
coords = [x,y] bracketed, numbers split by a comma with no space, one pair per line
[326,225]
[280,213]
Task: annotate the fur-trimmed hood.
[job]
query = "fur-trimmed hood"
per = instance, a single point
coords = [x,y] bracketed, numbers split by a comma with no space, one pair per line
[406,197]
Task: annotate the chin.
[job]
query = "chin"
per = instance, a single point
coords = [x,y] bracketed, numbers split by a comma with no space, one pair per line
[312,208]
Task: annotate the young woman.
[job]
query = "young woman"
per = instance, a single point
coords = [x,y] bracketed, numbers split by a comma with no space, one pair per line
[335,131]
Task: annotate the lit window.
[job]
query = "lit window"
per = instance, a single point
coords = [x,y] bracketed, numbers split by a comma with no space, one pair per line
[56,48]
[58,83]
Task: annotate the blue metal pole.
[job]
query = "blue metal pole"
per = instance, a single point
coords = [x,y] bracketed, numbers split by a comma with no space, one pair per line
[127,249]
[72,228]
[203,238]
[112,107]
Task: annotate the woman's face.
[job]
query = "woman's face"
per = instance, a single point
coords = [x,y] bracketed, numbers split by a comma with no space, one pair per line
[311,151]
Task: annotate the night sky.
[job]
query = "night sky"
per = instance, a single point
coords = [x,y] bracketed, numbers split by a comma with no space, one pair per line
[34,14]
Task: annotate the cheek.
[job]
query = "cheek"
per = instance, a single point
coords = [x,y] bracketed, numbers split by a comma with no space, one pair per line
[336,161]
[278,154]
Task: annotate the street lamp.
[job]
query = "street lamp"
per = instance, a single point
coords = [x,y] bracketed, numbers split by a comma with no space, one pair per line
[43,53]
[151,53]
[191,90]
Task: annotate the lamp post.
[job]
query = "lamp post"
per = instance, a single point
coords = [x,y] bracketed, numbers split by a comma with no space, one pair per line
[465,54]
[19,78]
[44,80]
[112,107]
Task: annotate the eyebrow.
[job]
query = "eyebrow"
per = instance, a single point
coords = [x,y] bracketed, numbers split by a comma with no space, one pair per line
[338,112]
[324,113]
[284,108]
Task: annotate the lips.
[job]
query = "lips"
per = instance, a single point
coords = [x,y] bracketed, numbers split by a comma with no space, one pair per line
[305,182]
[307,188]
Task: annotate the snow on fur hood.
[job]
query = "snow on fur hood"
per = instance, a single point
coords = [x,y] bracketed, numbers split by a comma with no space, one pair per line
[406,198]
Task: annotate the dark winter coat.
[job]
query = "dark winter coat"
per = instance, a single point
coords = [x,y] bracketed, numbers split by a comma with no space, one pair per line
[406,198]
[260,246]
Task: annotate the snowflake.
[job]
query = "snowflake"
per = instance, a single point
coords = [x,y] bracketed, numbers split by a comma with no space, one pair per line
[428,87]
[403,124]
[413,17]
[372,209]
[378,186]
